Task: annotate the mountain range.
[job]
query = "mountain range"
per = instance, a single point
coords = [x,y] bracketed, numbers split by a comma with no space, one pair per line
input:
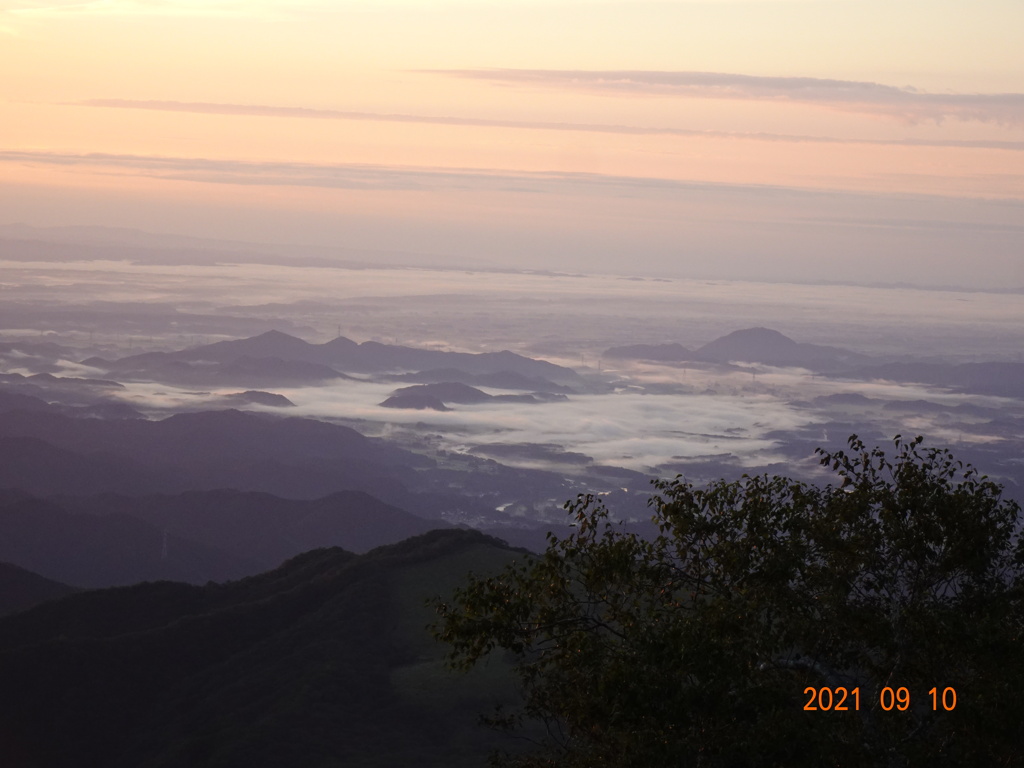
[260,358]
[211,449]
[112,540]
[749,345]
[769,347]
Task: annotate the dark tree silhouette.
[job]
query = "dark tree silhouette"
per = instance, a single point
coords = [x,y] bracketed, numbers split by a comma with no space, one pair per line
[708,644]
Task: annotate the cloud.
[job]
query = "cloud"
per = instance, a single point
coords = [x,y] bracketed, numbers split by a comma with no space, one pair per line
[218,7]
[624,429]
[360,176]
[906,104]
[260,110]
[269,173]
[6,28]
[948,225]
[384,178]
[205,8]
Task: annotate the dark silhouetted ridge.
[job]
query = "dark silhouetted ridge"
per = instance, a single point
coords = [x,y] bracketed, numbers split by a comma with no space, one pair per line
[294,358]
[769,347]
[419,402]
[314,663]
[21,589]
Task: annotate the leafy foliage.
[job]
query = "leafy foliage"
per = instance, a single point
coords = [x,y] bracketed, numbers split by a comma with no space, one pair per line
[695,647]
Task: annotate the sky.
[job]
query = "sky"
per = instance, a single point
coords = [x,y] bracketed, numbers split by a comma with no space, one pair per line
[795,140]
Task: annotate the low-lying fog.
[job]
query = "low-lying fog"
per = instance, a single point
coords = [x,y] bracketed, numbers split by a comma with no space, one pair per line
[685,415]
[655,418]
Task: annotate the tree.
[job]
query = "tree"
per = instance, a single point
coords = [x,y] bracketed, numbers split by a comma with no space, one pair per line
[705,644]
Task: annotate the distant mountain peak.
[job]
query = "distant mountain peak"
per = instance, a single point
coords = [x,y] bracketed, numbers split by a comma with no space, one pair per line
[339,342]
[274,335]
[271,343]
[418,402]
[758,335]
[749,344]
[446,392]
[768,346]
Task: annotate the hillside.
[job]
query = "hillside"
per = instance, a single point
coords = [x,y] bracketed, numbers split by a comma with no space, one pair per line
[324,661]
[21,589]
[48,453]
[111,540]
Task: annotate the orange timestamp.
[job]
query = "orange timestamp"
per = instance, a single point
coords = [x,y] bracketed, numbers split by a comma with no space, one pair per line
[848,699]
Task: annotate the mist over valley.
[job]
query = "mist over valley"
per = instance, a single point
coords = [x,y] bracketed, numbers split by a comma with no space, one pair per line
[259,472]
[484,398]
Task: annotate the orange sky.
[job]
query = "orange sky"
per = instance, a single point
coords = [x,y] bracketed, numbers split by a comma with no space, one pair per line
[771,138]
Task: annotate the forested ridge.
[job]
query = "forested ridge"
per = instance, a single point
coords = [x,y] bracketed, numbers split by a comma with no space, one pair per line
[324,661]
